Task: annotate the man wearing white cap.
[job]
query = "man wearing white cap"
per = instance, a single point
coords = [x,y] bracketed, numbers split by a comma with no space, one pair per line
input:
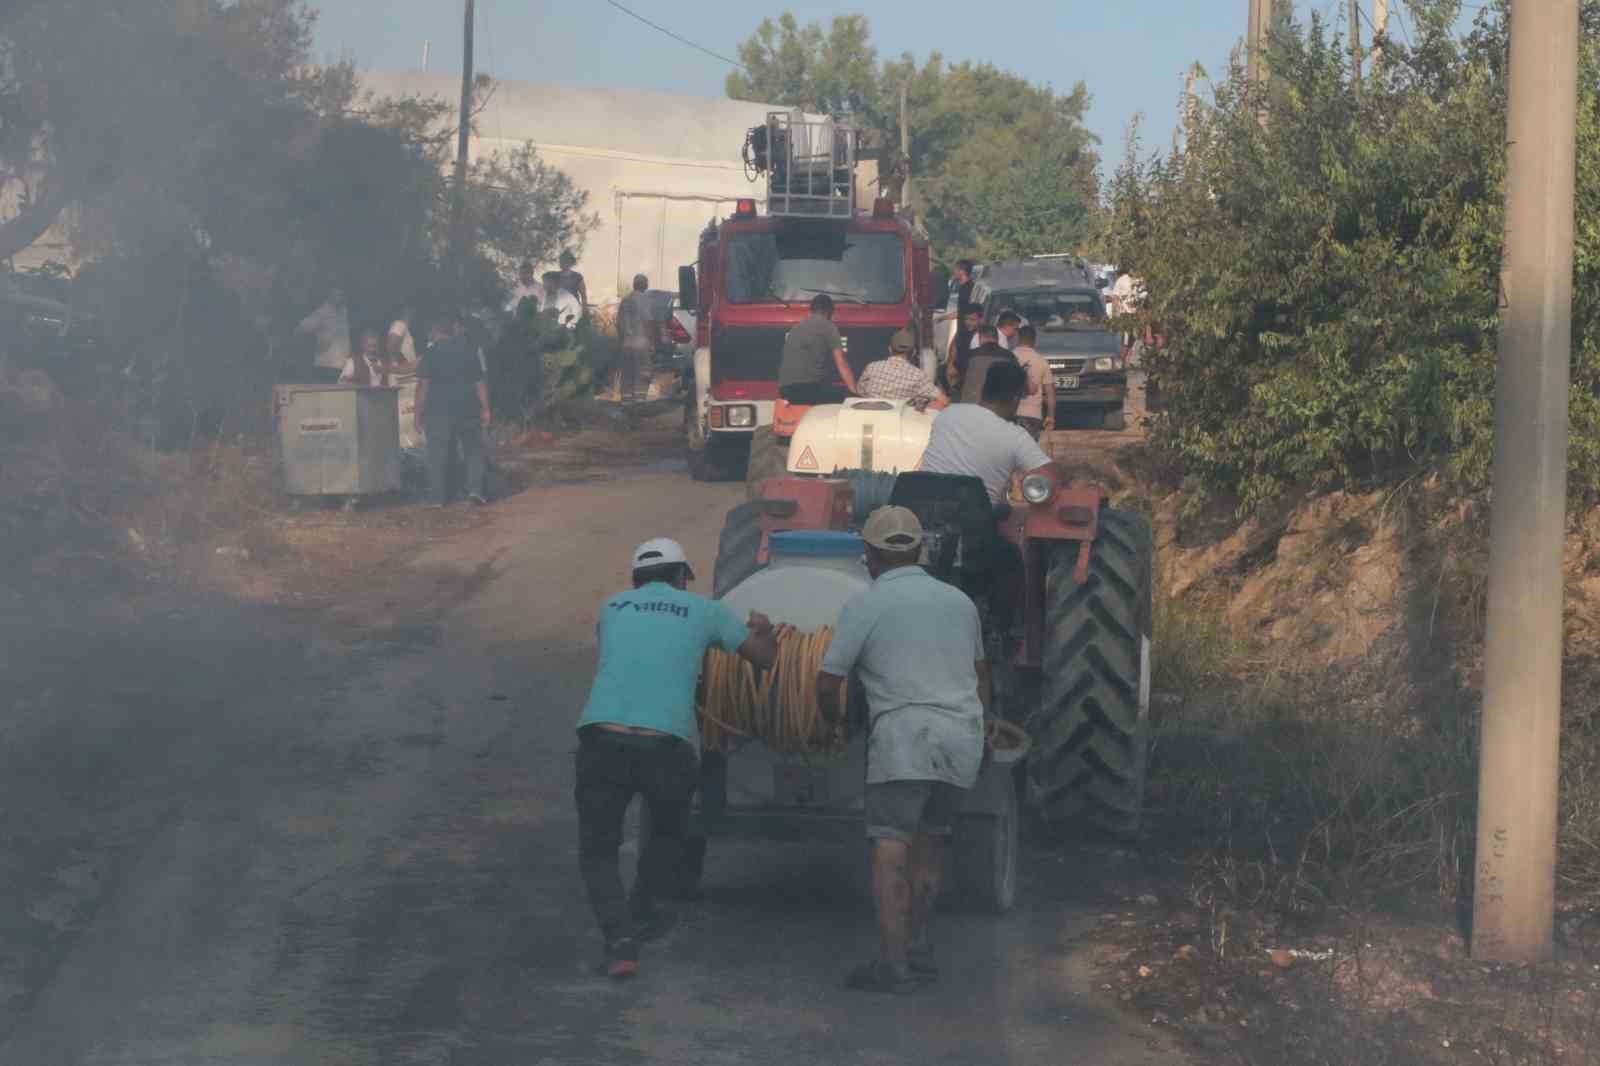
[638,736]
[916,644]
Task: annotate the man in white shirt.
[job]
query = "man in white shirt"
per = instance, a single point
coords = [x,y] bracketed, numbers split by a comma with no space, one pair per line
[981,440]
[916,644]
[1037,411]
[1006,325]
[329,329]
[566,306]
[528,287]
[1128,293]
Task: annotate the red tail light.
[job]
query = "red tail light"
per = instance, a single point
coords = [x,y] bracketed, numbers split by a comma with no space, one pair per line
[676,331]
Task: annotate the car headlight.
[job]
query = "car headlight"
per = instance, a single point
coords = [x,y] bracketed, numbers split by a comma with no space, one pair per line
[741,417]
[1105,363]
[1037,488]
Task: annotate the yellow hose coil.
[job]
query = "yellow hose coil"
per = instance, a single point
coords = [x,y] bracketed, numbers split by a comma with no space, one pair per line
[777,707]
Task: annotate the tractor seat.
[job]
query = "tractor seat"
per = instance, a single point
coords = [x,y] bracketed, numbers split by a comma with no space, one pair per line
[955,510]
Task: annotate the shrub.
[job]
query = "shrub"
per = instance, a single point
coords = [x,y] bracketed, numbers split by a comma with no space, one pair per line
[1325,278]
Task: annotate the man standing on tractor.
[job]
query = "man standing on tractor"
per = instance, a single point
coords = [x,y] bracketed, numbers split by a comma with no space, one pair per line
[917,646]
[638,736]
[813,360]
[901,377]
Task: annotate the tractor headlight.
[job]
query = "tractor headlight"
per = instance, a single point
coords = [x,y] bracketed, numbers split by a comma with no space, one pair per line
[742,417]
[1037,488]
[1105,364]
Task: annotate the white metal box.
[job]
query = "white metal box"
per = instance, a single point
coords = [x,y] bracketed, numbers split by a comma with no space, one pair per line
[338,440]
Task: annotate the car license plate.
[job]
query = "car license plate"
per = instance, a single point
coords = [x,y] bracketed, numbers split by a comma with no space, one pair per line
[1066,381]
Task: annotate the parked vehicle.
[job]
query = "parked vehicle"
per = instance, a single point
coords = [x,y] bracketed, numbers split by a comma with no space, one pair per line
[756,276]
[1069,314]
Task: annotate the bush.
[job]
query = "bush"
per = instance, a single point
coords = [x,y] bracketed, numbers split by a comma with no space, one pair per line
[1326,279]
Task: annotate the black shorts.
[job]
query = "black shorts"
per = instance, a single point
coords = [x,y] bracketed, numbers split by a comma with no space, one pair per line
[1034,426]
[899,810]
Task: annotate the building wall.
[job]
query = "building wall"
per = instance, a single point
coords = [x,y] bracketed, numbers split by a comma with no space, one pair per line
[657,166]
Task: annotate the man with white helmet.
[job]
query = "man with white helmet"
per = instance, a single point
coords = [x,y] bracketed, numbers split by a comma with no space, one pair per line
[638,735]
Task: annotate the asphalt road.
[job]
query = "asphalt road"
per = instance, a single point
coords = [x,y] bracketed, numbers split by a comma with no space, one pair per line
[359,848]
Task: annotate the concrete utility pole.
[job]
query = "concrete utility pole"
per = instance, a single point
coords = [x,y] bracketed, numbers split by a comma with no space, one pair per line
[1380,28]
[1355,47]
[458,203]
[1514,900]
[1260,32]
[905,151]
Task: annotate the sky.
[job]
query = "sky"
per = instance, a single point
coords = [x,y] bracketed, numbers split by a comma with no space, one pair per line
[1131,54]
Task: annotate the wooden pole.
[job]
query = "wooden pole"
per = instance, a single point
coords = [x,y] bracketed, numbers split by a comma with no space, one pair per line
[905,151]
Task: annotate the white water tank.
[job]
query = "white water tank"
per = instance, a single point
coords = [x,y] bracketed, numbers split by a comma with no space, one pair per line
[809,578]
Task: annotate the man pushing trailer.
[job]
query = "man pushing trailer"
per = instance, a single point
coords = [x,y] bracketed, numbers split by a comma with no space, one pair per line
[917,646]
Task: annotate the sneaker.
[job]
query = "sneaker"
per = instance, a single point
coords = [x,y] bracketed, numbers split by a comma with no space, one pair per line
[622,959]
[654,924]
[881,977]
[920,962]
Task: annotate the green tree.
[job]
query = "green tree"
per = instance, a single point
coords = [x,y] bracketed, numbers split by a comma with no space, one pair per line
[831,72]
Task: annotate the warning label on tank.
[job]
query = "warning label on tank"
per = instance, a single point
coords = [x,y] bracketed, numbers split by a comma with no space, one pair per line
[319,425]
[807,461]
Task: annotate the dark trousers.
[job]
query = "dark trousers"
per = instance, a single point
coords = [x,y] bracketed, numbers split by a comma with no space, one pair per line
[807,394]
[444,433]
[612,769]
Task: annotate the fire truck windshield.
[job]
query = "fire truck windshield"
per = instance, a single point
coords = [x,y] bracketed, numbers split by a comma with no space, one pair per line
[794,265]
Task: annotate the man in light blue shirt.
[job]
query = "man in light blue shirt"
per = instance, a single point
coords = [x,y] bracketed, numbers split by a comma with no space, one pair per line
[917,646]
[638,735]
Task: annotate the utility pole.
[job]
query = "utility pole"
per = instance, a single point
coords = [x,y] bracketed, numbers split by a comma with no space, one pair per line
[905,151]
[1260,33]
[458,202]
[1355,47]
[1513,906]
[1380,29]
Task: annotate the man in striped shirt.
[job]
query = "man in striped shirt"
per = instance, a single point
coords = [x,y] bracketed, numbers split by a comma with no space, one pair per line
[899,377]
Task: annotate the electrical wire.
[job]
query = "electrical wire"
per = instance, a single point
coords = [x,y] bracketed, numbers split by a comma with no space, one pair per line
[676,37]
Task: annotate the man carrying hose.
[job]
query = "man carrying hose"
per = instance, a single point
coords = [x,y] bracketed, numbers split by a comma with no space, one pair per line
[916,644]
[637,735]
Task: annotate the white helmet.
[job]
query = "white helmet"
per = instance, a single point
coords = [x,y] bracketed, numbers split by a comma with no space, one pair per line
[663,551]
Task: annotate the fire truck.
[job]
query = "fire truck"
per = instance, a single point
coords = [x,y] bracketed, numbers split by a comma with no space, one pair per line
[757,273]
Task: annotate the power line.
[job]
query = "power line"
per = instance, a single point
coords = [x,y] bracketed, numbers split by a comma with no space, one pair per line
[675,37]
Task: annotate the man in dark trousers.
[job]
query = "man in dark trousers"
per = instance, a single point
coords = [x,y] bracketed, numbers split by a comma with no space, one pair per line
[452,408]
[638,736]
[813,359]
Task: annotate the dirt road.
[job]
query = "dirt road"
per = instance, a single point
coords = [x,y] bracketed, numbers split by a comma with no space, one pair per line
[269,842]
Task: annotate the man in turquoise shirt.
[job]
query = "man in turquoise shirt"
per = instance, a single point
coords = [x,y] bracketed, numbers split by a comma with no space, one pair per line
[638,735]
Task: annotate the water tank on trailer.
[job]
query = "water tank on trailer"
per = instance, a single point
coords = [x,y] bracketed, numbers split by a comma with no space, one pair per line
[810,576]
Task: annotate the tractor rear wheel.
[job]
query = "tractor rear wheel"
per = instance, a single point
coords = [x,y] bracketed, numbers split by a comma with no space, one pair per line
[737,548]
[769,458]
[1091,729]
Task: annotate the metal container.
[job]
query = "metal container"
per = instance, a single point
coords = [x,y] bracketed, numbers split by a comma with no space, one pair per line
[338,440]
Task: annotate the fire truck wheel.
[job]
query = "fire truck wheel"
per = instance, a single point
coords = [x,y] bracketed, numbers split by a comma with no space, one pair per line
[769,458]
[737,549]
[1091,731]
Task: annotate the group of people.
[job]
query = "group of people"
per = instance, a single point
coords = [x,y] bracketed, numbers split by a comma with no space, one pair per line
[815,369]
[562,292]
